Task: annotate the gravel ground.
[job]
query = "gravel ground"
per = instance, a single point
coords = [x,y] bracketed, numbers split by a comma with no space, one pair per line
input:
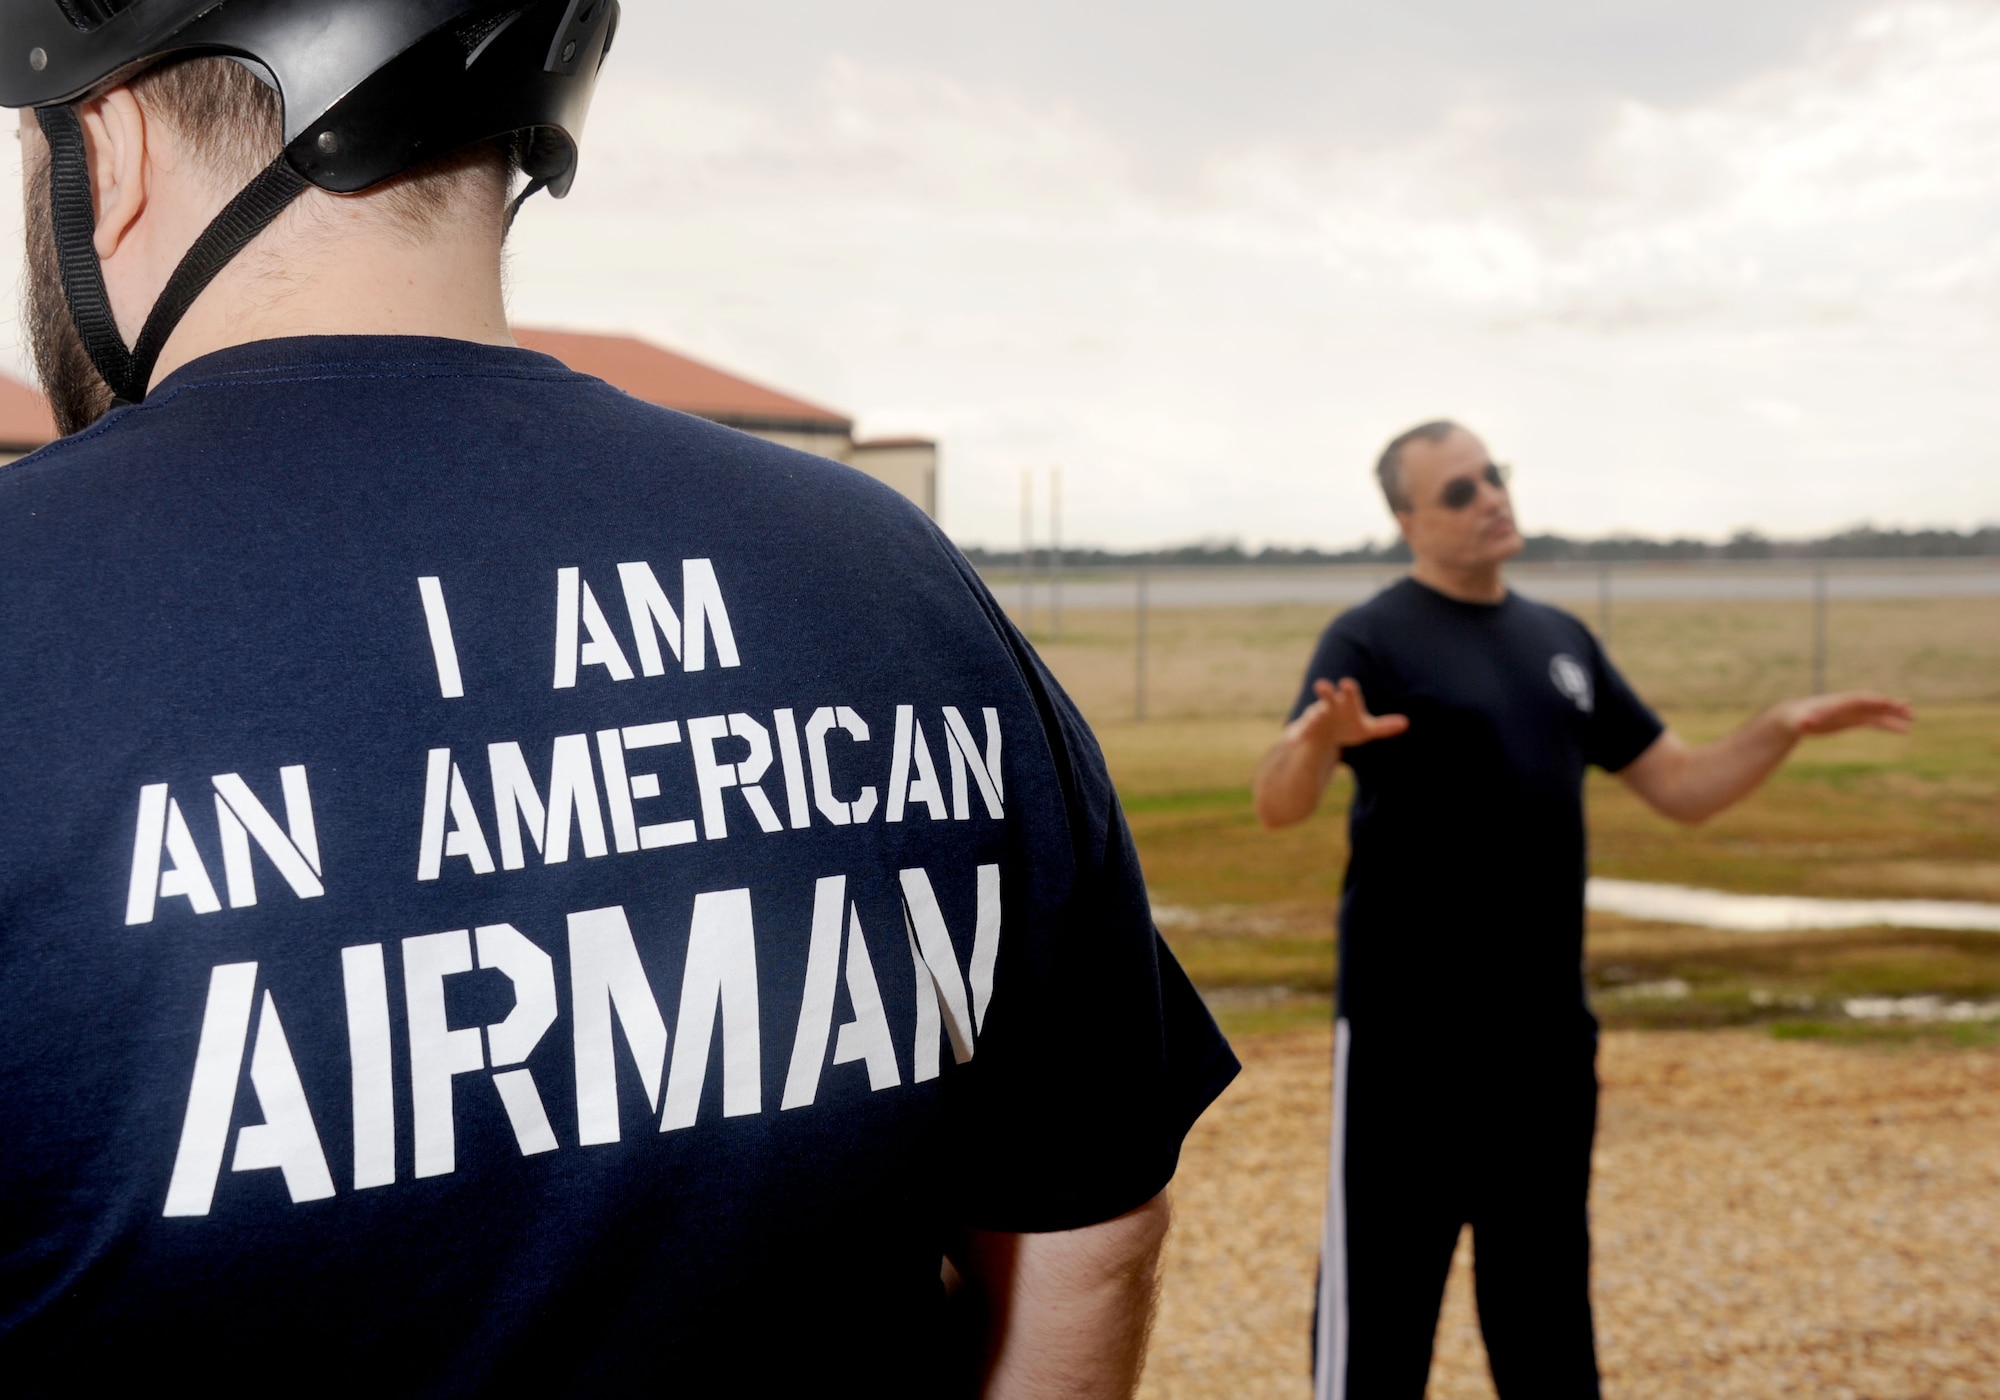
[1771,1218]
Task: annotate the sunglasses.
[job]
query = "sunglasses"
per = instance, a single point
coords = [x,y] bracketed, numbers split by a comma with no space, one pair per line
[1460,492]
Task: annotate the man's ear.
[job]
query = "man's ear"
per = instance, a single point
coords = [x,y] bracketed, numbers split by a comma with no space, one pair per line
[1403,521]
[114,136]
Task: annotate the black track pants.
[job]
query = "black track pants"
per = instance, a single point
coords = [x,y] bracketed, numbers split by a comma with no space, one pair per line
[1427,1139]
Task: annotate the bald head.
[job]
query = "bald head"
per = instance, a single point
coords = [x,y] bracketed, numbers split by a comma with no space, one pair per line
[1452,505]
[1389,467]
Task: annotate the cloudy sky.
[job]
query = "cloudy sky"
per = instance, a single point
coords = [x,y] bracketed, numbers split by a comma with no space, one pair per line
[1689,265]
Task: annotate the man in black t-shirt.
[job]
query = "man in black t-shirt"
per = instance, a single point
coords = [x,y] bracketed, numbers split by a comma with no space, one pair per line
[1465,1080]
[505,889]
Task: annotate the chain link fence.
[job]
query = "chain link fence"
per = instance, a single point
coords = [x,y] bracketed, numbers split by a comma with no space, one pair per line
[1219,642]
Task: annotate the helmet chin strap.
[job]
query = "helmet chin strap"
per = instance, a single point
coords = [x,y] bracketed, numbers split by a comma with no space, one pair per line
[534,187]
[130,371]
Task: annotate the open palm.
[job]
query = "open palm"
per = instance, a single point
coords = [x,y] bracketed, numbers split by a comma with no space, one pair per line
[1854,709]
[1339,718]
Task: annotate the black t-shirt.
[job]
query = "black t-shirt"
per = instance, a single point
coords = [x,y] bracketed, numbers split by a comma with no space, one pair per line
[508,888]
[1463,903]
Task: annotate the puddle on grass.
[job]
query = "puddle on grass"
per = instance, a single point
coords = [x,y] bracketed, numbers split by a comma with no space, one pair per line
[1766,913]
[1773,913]
[1923,1009]
[1765,997]
[1223,920]
[1249,998]
[1665,989]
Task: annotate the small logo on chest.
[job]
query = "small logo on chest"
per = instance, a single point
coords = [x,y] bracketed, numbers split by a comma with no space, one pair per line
[1572,678]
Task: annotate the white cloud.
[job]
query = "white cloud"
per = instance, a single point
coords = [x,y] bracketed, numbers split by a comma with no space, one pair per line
[1772,307]
[1772,300]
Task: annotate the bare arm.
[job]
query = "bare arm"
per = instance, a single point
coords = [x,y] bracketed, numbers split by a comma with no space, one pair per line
[1295,772]
[1692,784]
[1068,1314]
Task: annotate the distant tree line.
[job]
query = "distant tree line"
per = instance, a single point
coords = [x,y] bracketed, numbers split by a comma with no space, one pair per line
[1863,542]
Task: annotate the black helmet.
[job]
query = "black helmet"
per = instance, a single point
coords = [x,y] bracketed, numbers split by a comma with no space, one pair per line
[369,89]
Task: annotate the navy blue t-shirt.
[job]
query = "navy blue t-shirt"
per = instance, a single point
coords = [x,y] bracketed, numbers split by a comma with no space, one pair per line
[1463,904]
[507,888]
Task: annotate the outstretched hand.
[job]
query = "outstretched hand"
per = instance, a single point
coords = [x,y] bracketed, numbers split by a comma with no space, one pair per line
[1854,709]
[1339,718]
[1692,784]
[1295,772]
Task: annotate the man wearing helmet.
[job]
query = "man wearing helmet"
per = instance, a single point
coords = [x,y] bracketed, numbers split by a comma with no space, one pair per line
[503,887]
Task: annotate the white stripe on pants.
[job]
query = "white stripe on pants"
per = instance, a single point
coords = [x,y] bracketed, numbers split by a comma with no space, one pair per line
[1330,1375]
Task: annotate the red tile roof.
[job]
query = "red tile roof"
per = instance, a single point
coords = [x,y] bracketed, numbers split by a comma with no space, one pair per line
[645,371]
[25,420]
[660,376]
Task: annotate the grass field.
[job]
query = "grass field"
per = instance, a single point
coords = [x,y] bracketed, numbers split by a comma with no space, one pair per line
[1245,662]
[1774,1214]
[1249,912]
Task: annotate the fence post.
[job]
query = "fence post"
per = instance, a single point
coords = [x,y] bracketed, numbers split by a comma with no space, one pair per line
[1055,550]
[1604,606]
[1139,665]
[1819,628]
[1027,551]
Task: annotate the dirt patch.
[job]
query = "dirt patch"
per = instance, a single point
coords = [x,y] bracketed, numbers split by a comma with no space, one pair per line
[1771,1218]
[1241,1260]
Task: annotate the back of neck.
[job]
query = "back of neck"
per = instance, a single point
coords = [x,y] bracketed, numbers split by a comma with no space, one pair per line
[338,265]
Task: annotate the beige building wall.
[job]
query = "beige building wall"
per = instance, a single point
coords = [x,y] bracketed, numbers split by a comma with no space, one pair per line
[834,443]
[910,465]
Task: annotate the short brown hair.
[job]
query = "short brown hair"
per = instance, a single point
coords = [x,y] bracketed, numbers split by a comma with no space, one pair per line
[1389,467]
[233,122]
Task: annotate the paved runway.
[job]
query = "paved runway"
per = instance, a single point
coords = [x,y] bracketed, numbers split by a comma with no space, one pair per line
[1572,585]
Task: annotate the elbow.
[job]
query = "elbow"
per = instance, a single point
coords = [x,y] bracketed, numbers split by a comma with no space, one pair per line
[1272,814]
[1678,802]
[1260,804]
[1687,812]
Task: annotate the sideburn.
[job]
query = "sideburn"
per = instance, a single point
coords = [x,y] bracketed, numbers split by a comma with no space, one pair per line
[77,393]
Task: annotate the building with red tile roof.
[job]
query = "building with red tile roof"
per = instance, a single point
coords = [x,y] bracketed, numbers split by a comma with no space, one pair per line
[645,371]
[661,376]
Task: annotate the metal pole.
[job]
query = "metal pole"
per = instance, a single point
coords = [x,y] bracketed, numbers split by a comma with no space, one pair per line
[1027,550]
[1819,629]
[1604,606]
[1139,669]
[1055,549]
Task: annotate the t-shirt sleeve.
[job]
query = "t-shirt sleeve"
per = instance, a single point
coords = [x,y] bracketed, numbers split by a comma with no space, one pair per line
[1622,726]
[1097,1055]
[1339,655]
